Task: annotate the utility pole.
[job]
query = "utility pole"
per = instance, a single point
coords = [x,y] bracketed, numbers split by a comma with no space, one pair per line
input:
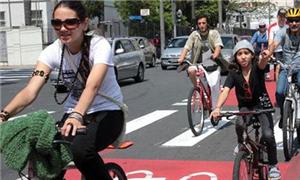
[220,14]
[162,26]
[174,17]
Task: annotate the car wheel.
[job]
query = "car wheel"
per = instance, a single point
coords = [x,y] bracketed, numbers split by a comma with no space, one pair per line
[153,61]
[163,67]
[140,74]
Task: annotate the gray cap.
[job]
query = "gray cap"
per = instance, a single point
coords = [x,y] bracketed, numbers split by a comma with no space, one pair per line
[243,44]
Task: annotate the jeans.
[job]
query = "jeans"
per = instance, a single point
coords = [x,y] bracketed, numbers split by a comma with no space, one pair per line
[267,133]
[102,130]
[282,86]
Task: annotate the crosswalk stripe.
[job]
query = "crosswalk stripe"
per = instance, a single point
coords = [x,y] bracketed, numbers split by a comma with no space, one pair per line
[187,138]
[147,119]
[183,103]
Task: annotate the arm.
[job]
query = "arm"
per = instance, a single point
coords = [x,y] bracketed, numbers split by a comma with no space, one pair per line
[93,83]
[217,53]
[28,94]
[221,100]
[182,55]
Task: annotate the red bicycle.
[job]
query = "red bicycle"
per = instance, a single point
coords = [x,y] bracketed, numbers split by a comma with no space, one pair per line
[199,99]
[251,161]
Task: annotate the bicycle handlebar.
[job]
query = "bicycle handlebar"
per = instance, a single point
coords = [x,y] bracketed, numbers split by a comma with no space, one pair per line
[60,139]
[228,114]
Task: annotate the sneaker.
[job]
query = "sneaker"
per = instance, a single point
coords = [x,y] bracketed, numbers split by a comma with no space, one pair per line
[274,173]
[236,149]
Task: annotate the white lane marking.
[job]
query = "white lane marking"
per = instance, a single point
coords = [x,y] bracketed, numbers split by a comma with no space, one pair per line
[187,138]
[183,103]
[147,119]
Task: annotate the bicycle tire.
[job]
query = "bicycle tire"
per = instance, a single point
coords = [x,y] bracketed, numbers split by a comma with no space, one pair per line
[242,168]
[116,172]
[287,133]
[263,172]
[298,136]
[195,111]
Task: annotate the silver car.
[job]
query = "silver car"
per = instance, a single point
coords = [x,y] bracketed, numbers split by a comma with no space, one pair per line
[148,49]
[171,54]
[128,58]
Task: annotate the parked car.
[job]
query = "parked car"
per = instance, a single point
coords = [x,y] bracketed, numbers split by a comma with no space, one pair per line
[148,49]
[247,37]
[128,58]
[172,52]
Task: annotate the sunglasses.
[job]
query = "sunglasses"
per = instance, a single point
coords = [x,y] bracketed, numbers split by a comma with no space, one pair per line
[291,20]
[262,26]
[247,91]
[69,24]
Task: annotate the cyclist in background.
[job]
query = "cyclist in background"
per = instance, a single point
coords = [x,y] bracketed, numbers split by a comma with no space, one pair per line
[272,30]
[260,42]
[251,93]
[92,58]
[200,41]
[289,39]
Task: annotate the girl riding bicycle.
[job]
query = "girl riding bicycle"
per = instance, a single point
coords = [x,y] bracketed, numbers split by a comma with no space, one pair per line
[251,93]
[86,63]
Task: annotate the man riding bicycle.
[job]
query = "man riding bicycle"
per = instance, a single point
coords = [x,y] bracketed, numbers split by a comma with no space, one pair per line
[290,41]
[201,41]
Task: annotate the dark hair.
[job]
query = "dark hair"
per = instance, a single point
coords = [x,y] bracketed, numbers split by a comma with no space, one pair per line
[81,12]
[76,6]
[200,17]
[234,61]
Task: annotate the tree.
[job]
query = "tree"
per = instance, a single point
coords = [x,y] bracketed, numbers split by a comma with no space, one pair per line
[95,9]
[128,8]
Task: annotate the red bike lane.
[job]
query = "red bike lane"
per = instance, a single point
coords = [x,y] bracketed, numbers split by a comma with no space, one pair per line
[147,169]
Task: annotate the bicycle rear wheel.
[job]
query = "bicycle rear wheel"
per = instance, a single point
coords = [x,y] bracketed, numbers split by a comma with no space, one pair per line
[195,111]
[288,130]
[242,168]
[115,171]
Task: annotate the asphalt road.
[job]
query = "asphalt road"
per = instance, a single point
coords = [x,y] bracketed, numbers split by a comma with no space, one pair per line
[157,119]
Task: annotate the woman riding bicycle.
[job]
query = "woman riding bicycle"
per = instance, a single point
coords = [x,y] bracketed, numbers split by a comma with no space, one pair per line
[86,63]
[251,93]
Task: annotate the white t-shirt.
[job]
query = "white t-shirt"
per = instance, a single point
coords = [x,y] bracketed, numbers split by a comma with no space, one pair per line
[100,52]
[273,28]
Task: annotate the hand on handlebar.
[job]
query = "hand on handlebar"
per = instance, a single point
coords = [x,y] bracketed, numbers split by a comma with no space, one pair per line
[70,126]
[215,114]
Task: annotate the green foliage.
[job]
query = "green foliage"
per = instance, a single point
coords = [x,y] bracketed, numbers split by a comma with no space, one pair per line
[128,8]
[210,9]
[95,8]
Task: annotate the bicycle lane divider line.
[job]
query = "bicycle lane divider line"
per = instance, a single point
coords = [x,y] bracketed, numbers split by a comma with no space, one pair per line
[187,138]
[147,119]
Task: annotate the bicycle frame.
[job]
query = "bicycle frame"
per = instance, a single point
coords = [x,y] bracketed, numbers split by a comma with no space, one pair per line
[252,150]
[202,84]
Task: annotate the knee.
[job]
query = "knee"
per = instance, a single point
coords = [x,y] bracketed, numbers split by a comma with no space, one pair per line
[268,135]
[239,125]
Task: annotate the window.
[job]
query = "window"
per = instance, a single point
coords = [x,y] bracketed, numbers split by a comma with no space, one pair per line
[36,18]
[2,18]
[128,45]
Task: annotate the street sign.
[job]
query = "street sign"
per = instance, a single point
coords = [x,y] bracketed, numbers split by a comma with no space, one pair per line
[135,17]
[145,12]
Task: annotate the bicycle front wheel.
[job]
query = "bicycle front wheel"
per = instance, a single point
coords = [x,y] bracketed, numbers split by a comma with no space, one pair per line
[288,130]
[242,168]
[115,171]
[195,111]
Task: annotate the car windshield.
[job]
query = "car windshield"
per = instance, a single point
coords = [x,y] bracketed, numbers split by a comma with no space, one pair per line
[177,43]
[227,42]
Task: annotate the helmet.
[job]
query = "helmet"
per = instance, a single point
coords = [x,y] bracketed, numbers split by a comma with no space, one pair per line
[293,12]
